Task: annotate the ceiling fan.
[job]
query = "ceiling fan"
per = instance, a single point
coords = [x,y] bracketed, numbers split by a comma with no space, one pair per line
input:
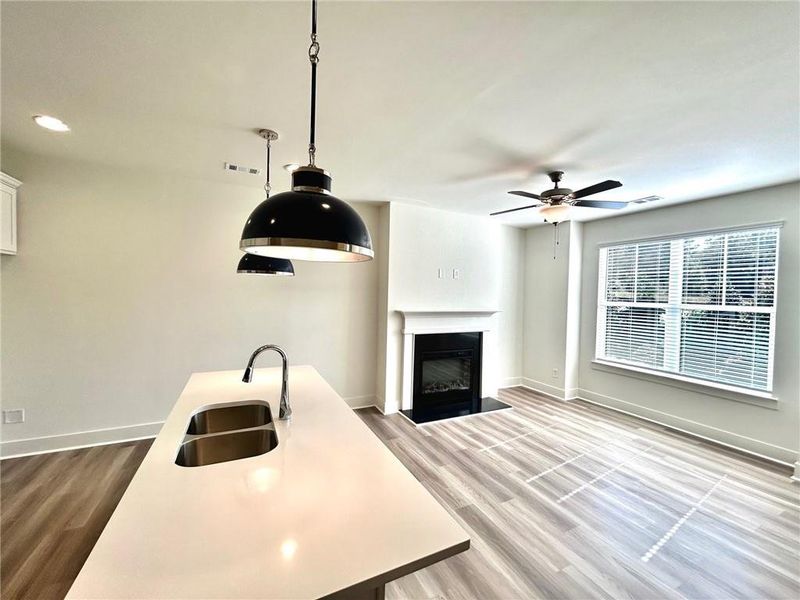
[555,203]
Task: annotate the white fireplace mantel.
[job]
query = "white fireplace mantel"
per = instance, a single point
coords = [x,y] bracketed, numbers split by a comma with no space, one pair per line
[417,322]
[446,321]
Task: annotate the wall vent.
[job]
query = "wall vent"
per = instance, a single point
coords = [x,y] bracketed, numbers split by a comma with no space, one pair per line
[241,169]
[646,199]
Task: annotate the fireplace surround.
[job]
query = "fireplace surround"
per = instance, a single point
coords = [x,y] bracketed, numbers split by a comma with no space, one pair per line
[448,364]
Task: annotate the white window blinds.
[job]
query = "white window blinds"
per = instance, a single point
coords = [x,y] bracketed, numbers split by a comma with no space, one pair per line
[702,307]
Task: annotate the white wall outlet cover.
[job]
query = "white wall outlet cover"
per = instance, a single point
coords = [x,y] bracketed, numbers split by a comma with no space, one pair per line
[441,273]
[555,372]
[456,273]
[16,415]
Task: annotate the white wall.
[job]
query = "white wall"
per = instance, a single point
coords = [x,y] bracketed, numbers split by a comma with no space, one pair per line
[768,428]
[545,310]
[488,257]
[382,256]
[125,284]
[551,309]
[573,312]
[512,305]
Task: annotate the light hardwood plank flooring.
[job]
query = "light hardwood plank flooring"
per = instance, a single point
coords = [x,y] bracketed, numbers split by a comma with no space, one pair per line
[53,508]
[561,500]
[567,500]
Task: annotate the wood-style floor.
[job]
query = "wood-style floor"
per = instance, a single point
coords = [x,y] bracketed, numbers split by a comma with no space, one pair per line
[572,501]
[561,500]
[54,507]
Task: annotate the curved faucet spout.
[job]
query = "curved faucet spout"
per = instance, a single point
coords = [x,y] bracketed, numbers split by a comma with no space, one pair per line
[285,408]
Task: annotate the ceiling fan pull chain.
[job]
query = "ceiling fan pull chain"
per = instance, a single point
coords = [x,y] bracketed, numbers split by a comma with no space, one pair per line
[313,57]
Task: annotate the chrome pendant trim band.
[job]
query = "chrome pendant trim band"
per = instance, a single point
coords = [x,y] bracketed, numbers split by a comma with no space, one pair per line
[367,253]
[262,272]
[309,188]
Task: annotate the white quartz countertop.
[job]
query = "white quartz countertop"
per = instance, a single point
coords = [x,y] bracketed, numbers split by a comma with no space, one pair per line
[329,509]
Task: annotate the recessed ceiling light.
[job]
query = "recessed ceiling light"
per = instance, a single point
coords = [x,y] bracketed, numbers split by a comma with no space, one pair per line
[291,167]
[50,123]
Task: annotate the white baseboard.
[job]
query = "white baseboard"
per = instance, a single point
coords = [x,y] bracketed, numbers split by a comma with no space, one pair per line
[552,391]
[115,435]
[361,401]
[733,440]
[111,435]
[80,439]
[390,409]
[511,382]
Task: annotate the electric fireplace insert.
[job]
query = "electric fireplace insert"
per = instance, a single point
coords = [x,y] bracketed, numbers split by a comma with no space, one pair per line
[447,377]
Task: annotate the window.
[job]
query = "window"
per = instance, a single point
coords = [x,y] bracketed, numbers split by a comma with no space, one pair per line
[699,307]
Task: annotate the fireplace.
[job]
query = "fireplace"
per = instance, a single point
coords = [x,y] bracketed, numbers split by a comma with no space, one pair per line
[447,377]
[447,369]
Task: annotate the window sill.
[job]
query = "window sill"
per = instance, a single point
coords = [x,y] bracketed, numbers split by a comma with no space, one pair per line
[728,392]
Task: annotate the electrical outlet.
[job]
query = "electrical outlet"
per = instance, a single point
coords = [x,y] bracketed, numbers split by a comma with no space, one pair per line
[455,273]
[441,273]
[555,373]
[16,415]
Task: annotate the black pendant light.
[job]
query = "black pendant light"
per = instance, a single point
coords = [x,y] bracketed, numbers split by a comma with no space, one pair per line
[308,223]
[266,265]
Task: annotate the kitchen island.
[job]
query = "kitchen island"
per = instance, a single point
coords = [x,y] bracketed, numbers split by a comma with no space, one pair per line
[329,513]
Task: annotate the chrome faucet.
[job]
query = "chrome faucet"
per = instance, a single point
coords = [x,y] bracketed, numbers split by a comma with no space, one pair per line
[285,408]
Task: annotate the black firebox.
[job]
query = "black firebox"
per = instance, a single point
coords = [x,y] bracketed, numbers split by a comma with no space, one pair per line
[447,377]
[447,368]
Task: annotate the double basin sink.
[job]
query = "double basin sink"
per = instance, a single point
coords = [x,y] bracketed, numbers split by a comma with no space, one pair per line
[225,433]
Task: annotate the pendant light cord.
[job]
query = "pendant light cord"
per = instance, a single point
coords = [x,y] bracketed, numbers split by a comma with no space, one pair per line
[313,57]
[267,186]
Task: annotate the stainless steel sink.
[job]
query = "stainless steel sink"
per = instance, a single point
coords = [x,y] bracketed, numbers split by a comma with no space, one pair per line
[210,449]
[227,432]
[229,418]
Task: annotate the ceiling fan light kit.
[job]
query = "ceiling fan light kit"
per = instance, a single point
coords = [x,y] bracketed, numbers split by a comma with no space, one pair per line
[308,222]
[555,213]
[554,203]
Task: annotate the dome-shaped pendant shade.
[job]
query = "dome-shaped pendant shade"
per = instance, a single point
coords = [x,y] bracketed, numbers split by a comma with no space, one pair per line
[265,265]
[307,223]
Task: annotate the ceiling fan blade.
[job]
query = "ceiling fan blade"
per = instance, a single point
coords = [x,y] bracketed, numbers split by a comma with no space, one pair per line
[609,184]
[502,212]
[599,204]
[525,194]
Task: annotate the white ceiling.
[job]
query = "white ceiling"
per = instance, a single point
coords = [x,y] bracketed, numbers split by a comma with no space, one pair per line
[449,104]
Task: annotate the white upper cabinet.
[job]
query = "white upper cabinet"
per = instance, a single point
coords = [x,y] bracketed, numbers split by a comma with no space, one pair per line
[8,213]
